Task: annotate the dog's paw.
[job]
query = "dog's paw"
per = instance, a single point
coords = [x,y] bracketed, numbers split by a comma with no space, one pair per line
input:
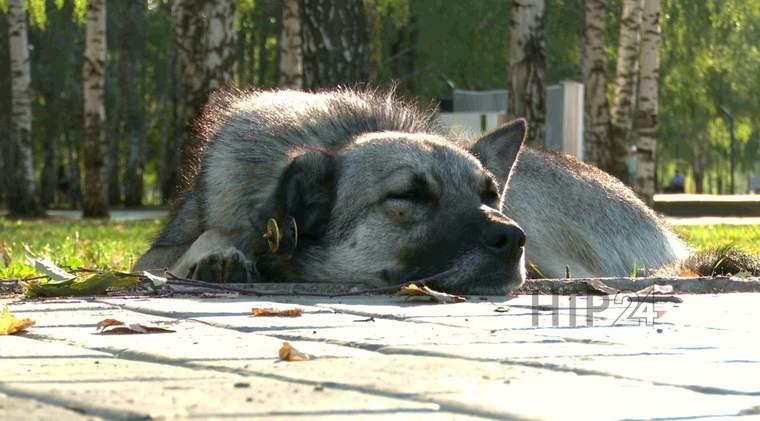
[229,265]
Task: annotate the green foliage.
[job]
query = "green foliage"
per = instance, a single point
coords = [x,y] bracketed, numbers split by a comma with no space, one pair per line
[91,244]
[744,238]
[36,11]
[80,10]
[710,57]
[564,37]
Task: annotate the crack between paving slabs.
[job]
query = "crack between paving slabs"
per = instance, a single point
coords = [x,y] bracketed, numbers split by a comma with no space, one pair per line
[383,349]
[565,369]
[80,407]
[443,404]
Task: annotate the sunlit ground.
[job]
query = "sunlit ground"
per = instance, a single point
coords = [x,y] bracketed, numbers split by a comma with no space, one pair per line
[116,245]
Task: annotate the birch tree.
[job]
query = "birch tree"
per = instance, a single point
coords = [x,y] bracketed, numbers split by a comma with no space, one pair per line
[95,199]
[22,190]
[646,114]
[626,76]
[335,43]
[205,37]
[527,63]
[291,47]
[594,68]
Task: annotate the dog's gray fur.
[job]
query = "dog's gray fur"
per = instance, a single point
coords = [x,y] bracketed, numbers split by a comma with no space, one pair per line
[383,195]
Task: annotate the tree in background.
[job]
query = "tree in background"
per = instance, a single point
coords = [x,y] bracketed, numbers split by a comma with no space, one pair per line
[646,114]
[291,46]
[95,199]
[624,100]
[594,67]
[527,66]
[205,36]
[131,78]
[336,47]
[22,190]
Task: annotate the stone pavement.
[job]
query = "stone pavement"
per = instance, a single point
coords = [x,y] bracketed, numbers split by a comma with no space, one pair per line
[526,357]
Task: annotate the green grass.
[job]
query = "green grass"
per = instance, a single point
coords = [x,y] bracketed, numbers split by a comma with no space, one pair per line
[745,238]
[92,244]
[116,245]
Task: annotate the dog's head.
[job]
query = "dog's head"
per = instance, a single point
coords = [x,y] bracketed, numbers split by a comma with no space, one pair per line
[394,207]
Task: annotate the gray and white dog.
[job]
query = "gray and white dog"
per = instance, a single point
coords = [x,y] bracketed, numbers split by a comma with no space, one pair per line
[357,186]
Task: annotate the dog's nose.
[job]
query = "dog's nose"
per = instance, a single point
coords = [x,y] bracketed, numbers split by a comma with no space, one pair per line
[504,239]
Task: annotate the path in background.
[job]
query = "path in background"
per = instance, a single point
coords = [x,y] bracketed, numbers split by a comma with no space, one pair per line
[136,215]
[116,215]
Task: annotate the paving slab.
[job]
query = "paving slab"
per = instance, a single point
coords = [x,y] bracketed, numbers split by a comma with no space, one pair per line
[524,357]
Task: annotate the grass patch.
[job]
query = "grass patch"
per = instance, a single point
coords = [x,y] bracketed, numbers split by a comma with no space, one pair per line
[116,245]
[744,238]
[75,243]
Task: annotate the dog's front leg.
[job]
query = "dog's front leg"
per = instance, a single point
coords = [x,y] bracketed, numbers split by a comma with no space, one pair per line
[213,257]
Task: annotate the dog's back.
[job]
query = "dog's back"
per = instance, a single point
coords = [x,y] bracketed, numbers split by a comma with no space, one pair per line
[579,217]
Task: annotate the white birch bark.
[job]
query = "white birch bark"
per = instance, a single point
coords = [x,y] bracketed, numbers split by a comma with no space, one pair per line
[626,76]
[627,64]
[291,47]
[646,115]
[527,48]
[22,194]
[220,43]
[594,66]
[95,199]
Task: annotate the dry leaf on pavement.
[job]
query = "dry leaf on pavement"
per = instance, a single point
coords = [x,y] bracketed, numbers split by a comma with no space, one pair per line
[9,324]
[288,353]
[274,312]
[412,290]
[117,327]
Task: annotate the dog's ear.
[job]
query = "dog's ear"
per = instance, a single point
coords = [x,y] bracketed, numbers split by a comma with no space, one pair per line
[498,150]
[306,192]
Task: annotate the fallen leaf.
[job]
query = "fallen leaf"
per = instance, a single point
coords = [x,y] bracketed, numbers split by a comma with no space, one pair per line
[274,312]
[656,289]
[288,353]
[96,284]
[109,322]
[117,327]
[9,324]
[158,281]
[46,266]
[4,255]
[412,290]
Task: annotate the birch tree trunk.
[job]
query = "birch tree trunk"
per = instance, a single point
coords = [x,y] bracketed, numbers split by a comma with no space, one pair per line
[291,47]
[205,37]
[95,201]
[335,43]
[594,67]
[22,190]
[625,88]
[527,62]
[219,63]
[646,115]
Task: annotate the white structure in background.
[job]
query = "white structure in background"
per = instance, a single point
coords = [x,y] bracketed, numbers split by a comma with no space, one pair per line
[476,112]
[564,118]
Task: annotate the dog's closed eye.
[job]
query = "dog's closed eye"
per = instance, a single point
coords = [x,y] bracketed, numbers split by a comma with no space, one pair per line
[416,189]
